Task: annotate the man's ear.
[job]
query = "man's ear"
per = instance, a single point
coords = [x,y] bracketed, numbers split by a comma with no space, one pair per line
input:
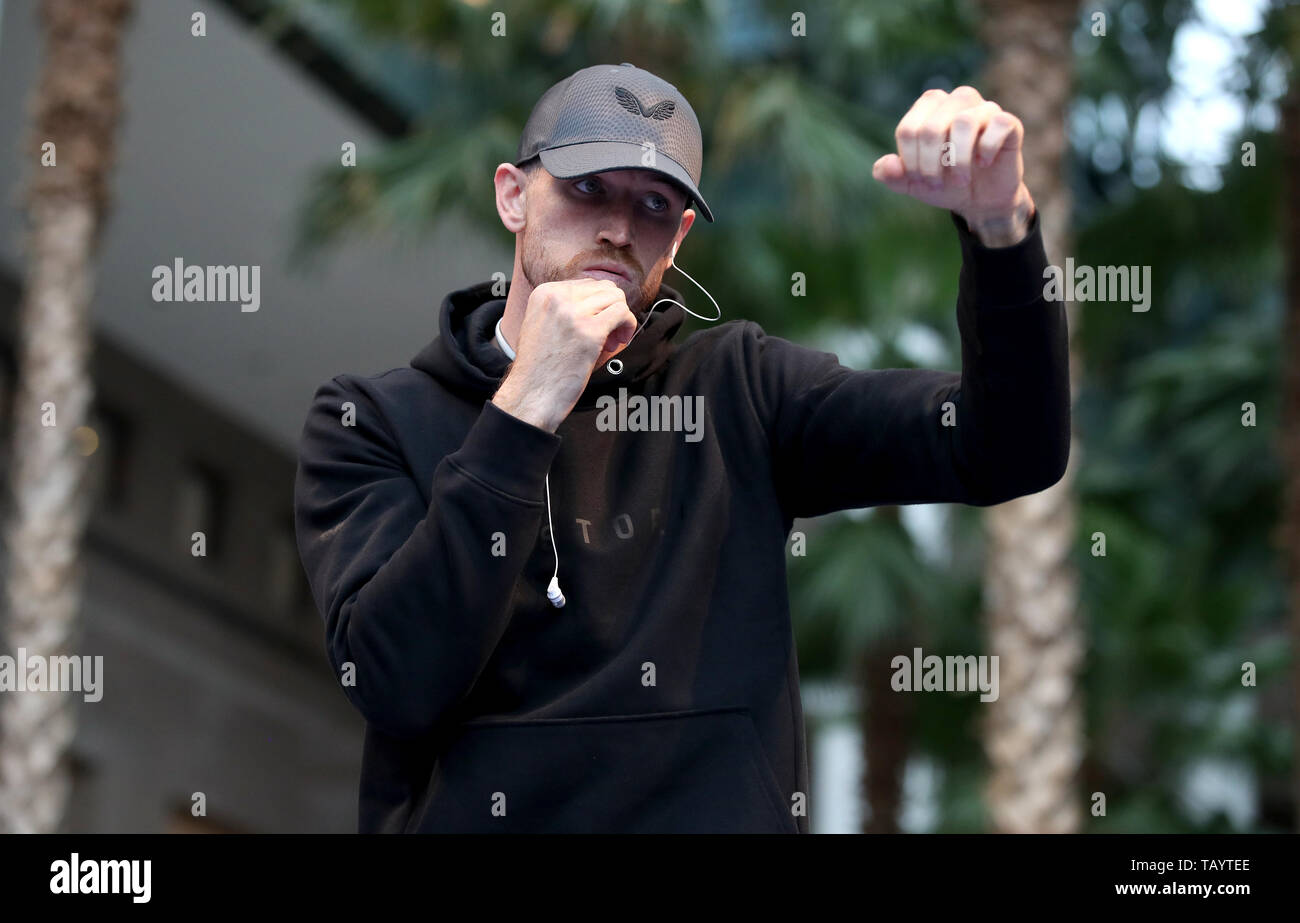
[512,203]
[688,218]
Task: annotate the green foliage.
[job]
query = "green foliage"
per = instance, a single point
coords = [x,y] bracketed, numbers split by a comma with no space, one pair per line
[1187,496]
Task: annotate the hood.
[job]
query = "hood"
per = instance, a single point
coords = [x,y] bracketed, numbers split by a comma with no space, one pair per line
[468,316]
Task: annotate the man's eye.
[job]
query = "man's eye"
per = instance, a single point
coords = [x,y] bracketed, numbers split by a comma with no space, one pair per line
[661,203]
[587,179]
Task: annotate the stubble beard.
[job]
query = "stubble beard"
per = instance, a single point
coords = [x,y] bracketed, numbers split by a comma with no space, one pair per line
[538,269]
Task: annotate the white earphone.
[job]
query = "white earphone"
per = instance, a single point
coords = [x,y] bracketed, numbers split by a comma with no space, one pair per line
[615,366]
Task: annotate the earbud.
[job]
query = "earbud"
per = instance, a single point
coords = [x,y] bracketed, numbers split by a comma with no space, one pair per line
[615,366]
[553,593]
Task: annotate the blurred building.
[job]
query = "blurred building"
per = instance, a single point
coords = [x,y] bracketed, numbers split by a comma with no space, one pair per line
[215,676]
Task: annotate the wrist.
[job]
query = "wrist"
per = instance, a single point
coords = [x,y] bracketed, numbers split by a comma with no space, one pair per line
[1004,227]
[524,404]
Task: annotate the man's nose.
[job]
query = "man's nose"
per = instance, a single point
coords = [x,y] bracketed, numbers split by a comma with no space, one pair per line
[616,227]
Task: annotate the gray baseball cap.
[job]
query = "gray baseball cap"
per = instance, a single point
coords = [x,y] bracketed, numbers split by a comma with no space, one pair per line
[616,118]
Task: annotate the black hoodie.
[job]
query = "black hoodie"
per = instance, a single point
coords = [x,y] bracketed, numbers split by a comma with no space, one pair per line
[664,695]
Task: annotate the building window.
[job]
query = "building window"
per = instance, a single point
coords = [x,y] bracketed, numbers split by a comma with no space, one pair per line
[200,502]
[286,579]
[109,463]
[8,380]
[81,814]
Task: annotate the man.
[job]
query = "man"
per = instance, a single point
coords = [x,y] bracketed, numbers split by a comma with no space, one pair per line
[656,687]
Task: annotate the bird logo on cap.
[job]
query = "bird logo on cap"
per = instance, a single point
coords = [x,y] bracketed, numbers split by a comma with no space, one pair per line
[629,101]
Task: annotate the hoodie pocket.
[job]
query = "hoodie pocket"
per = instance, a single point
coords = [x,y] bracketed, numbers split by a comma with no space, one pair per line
[701,771]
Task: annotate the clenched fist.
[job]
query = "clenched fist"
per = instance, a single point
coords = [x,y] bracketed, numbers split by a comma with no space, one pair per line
[569,328]
[962,152]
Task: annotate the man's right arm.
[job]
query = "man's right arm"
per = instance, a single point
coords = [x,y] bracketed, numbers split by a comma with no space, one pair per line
[411,593]
[531,405]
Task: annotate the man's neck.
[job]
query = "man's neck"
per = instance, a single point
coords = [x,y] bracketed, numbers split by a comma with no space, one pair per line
[512,319]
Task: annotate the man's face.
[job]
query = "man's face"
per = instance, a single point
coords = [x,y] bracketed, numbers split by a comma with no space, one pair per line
[627,219]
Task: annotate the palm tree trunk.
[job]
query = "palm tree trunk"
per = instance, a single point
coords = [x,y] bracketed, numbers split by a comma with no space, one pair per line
[886,716]
[76,108]
[886,735]
[1290,430]
[1033,733]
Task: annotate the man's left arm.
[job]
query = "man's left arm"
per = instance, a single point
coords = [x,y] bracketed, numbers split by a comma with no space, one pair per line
[1001,428]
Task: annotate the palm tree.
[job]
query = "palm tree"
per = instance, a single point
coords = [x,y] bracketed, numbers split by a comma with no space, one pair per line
[76,108]
[1034,731]
[886,721]
[1290,429]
